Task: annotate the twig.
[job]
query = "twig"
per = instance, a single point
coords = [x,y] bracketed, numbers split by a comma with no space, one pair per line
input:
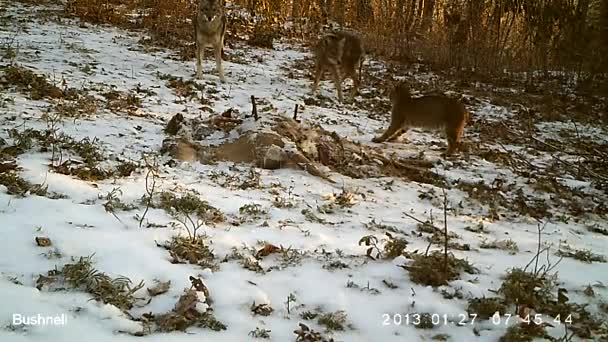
[445,233]
[295,113]
[519,155]
[152,172]
[590,172]
[428,247]
[540,230]
[543,270]
[422,222]
[255,108]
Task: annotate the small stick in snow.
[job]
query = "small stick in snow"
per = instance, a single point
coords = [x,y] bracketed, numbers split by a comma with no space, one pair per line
[426,252]
[290,298]
[445,234]
[295,114]
[255,108]
[422,222]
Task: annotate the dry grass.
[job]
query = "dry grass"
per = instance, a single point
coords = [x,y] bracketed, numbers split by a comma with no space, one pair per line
[425,269]
[82,275]
[168,22]
[485,308]
[184,250]
[26,81]
[15,185]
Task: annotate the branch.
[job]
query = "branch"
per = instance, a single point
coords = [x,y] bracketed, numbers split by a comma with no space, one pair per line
[422,222]
[149,189]
[295,113]
[590,172]
[255,108]
[445,232]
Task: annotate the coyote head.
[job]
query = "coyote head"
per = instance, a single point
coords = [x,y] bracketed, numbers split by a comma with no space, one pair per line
[209,9]
[332,47]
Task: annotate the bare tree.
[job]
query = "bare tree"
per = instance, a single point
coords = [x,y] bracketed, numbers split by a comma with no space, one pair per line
[427,20]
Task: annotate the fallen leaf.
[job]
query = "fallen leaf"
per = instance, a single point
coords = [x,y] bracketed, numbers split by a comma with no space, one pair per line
[160,288]
[266,251]
[43,241]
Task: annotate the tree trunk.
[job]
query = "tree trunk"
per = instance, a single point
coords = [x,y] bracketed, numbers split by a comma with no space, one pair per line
[296,9]
[410,14]
[365,13]
[400,8]
[427,21]
[418,17]
[339,12]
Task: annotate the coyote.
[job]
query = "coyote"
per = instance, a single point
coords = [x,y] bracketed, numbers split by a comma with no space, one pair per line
[342,52]
[209,31]
[430,112]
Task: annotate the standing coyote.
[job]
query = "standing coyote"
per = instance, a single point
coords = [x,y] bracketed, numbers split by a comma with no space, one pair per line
[209,30]
[342,53]
[431,112]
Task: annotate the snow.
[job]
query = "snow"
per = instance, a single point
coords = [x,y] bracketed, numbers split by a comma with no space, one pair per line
[80,226]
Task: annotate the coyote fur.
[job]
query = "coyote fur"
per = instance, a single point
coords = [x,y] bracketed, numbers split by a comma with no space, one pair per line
[209,31]
[342,53]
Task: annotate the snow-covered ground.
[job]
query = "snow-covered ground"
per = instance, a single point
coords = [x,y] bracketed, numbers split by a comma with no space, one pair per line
[101,58]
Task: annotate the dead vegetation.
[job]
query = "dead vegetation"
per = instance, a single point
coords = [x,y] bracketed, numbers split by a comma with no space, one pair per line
[484,308]
[190,211]
[237,180]
[26,81]
[186,89]
[392,246]
[586,256]
[533,290]
[193,309]
[261,309]
[305,334]
[505,245]
[185,315]
[260,333]
[81,275]
[81,106]
[122,101]
[159,288]
[252,213]
[524,332]
[424,269]
[493,39]
[113,203]
[80,158]
[185,250]
[333,321]
[15,185]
